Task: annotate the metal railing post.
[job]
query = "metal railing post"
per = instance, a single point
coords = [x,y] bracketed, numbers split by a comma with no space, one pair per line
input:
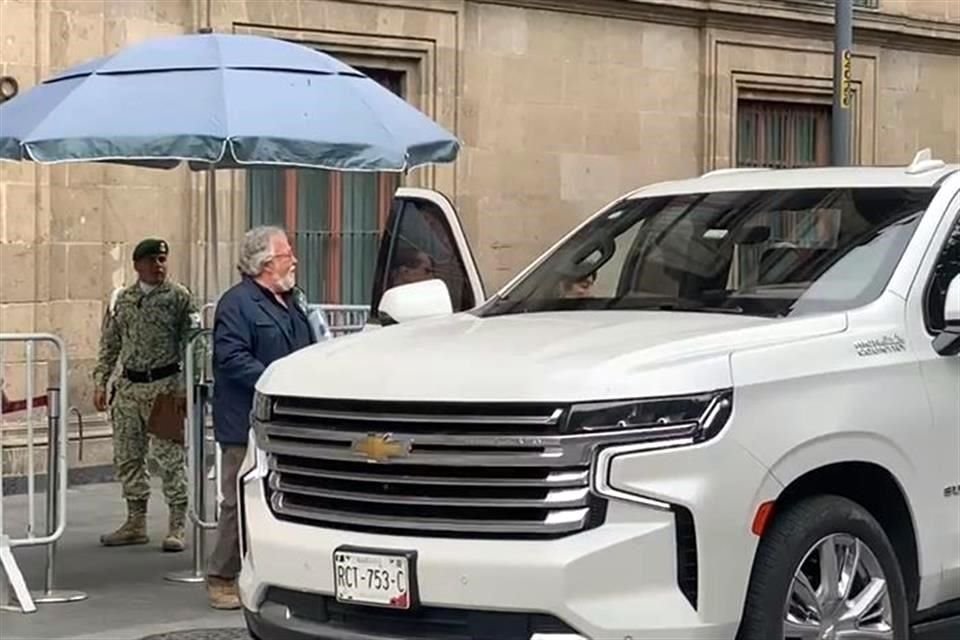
[217,474]
[56,482]
[194,441]
[31,470]
[50,595]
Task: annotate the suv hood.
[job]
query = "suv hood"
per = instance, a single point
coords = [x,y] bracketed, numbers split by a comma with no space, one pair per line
[545,357]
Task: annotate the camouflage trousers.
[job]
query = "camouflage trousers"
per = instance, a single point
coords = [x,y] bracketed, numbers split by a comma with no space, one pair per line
[136,452]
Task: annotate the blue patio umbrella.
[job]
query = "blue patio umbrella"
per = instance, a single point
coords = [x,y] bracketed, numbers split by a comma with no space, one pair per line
[220,101]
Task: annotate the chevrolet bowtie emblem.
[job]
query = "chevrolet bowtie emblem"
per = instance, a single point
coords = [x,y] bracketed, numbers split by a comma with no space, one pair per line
[381,447]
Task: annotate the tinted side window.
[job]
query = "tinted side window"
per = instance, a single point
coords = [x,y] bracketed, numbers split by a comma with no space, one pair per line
[946,269]
[419,245]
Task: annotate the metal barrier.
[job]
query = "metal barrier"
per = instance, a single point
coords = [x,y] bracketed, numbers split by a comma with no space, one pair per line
[206,315]
[194,441]
[206,321]
[340,318]
[344,318]
[56,494]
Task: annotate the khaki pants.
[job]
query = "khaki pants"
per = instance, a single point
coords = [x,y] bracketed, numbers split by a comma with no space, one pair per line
[224,562]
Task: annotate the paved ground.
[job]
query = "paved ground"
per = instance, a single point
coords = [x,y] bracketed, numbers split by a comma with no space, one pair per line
[128,597]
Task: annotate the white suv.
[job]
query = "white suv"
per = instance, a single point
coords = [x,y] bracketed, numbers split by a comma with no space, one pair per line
[721,407]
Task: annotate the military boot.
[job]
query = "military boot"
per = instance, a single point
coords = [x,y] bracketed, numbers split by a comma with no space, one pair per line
[133,531]
[174,541]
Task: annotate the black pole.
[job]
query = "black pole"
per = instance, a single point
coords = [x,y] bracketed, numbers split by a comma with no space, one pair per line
[842,60]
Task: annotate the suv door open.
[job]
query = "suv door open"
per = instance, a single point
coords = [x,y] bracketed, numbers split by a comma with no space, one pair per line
[424,240]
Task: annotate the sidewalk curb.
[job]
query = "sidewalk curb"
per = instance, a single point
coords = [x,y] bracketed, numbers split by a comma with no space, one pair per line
[94,474]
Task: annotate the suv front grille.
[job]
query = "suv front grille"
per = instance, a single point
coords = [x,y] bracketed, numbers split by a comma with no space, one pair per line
[444,470]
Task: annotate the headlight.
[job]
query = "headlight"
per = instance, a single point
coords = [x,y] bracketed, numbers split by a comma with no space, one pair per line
[262,467]
[262,407]
[256,465]
[698,417]
[262,411]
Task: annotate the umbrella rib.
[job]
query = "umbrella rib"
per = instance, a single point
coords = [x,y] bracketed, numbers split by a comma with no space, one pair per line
[227,142]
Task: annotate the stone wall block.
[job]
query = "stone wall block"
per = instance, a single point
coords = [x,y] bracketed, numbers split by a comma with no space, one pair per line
[76,37]
[504,30]
[24,173]
[17,266]
[78,214]
[134,213]
[78,322]
[586,176]
[58,271]
[84,275]
[17,29]
[18,212]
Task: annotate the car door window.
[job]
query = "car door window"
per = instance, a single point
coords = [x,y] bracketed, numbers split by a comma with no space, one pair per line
[419,245]
[946,269]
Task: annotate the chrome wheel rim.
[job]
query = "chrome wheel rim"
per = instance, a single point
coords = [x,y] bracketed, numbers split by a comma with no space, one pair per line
[838,592]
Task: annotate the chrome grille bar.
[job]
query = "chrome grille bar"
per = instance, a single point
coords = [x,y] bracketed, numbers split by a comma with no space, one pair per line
[554,524]
[285,410]
[555,499]
[552,457]
[449,441]
[560,450]
[576,478]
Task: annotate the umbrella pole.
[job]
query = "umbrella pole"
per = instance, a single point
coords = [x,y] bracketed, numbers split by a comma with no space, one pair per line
[214,237]
[206,245]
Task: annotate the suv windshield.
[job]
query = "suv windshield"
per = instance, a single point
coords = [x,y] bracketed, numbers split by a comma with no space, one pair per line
[768,253]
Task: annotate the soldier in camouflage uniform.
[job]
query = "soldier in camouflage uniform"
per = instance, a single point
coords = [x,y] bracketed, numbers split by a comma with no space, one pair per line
[146,333]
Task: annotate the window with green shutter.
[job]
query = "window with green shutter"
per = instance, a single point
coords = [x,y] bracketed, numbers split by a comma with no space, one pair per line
[782,135]
[334,219]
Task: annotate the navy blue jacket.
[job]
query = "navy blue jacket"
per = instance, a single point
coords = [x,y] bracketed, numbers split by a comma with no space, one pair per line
[249,333]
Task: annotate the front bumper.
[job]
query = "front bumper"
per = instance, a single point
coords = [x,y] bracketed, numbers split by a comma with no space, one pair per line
[289,615]
[616,581]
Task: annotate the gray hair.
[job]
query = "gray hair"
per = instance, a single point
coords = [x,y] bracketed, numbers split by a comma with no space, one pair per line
[256,249]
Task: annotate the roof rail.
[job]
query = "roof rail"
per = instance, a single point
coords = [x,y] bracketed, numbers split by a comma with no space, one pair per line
[923,162]
[720,172]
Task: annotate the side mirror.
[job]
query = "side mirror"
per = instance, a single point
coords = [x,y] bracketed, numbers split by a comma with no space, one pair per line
[948,342]
[415,301]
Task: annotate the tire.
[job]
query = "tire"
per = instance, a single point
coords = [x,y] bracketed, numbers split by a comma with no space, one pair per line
[794,544]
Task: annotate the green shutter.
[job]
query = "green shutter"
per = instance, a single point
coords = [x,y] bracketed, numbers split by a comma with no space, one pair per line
[782,134]
[265,197]
[312,235]
[360,236]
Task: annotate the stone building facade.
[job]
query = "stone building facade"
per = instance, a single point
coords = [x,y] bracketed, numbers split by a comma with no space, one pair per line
[562,105]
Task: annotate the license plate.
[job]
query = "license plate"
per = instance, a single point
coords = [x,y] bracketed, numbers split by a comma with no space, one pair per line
[374,578]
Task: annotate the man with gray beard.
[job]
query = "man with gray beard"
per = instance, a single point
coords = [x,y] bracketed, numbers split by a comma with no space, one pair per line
[262,318]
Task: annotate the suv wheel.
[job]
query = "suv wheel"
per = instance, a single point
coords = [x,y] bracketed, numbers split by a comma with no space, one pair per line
[825,570]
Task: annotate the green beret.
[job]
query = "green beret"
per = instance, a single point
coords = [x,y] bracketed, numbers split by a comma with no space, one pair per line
[149,248]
